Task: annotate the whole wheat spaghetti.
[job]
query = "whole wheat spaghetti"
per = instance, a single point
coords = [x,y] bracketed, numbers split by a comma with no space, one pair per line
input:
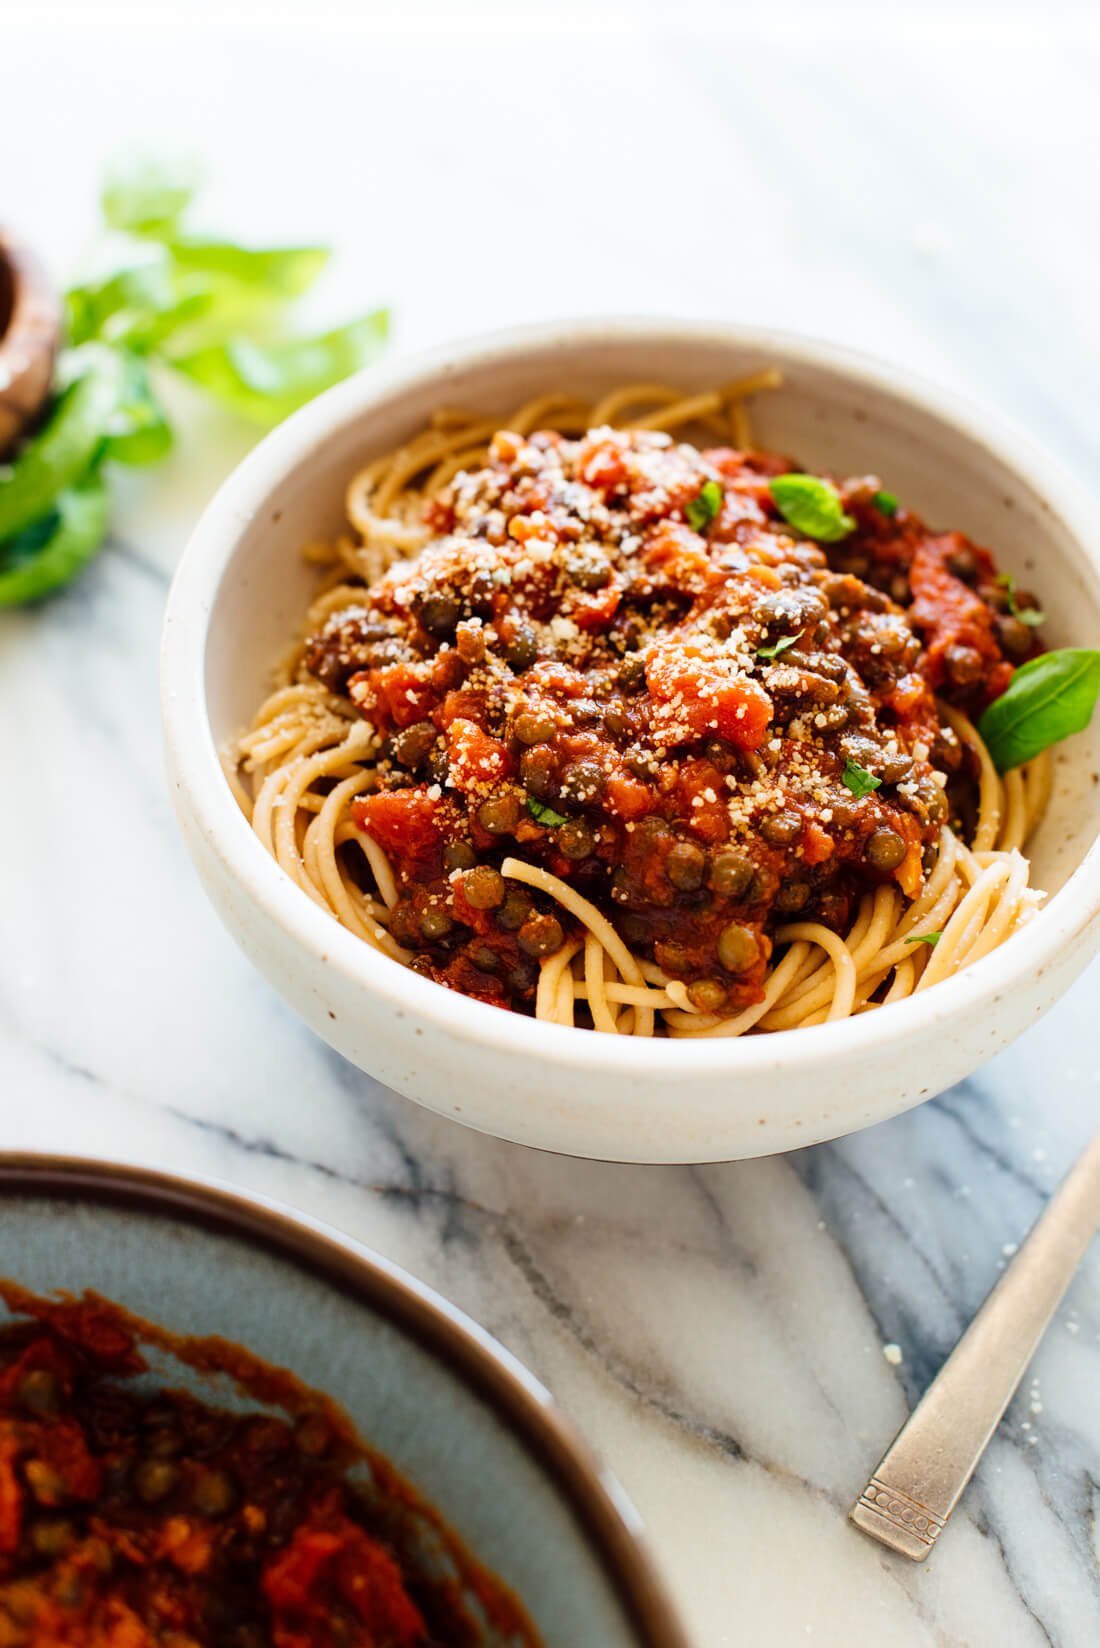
[589,719]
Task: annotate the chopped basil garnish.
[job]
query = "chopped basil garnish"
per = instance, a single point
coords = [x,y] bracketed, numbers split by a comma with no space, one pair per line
[780,646]
[1031,616]
[543,814]
[704,507]
[812,506]
[924,938]
[1048,699]
[858,780]
[887,502]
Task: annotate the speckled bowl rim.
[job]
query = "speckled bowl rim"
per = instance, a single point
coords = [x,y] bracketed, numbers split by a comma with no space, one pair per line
[1070,914]
[608,1520]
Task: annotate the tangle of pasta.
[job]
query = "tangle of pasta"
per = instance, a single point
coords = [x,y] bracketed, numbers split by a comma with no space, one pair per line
[312,755]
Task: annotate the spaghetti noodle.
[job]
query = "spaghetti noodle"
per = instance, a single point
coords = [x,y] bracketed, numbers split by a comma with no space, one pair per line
[580,726]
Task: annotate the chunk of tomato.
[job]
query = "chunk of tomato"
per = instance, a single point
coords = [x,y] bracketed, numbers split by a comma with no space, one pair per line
[475,759]
[405,824]
[326,1573]
[394,695]
[698,695]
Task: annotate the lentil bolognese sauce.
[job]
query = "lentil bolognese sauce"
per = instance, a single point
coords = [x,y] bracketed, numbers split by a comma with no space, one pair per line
[644,733]
[134,1515]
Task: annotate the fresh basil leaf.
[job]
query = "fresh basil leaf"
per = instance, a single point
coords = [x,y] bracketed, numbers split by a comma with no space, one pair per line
[812,506]
[48,554]
[181,322]
[106,309]
[1048,699]
[858,779]
[147,194]
[154,303]
[137,431]
[266,382]
[781,645]
[23,546]
[887,502]
[924,938]
[542,814]
[280,271]
[704,507]
[66,445]
[213,310]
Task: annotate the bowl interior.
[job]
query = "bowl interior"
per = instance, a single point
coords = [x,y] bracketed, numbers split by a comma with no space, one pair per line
[831,413]
[407,1402]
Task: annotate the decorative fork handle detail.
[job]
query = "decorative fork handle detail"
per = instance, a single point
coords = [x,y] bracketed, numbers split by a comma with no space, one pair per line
[908,1500]
[898,1521]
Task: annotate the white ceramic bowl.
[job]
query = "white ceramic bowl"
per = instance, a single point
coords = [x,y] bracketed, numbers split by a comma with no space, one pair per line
[239,596]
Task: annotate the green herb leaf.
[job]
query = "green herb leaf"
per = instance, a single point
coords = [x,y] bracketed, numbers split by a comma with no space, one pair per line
[107,309]
[812,506]
[140,307]
[147,195]
[1048,699]
[924,938]
[704,507]
[887,502]
[858,780]
[1031,616]
[266,382]
[781,645]
[542,814]
[144,306]
[48,554]
[67,444]
[137,431]
[152,331]
[279,271]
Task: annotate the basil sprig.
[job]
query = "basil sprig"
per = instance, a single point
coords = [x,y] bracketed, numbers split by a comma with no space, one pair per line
[886,502]
[812,506]
[1048,699]
[208,310]
[923,938]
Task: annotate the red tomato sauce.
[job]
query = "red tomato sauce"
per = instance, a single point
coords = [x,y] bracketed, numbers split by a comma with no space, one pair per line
[668,706]
[133,1515]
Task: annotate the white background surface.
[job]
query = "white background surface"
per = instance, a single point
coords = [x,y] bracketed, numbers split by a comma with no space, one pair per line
[921,183]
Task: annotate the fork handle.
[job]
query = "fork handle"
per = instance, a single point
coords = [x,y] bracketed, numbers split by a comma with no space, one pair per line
[919,1480]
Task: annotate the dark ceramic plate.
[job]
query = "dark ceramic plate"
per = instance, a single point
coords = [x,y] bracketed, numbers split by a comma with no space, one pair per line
[454,1412]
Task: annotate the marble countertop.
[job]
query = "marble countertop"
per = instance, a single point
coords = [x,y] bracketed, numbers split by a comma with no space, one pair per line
[924,190]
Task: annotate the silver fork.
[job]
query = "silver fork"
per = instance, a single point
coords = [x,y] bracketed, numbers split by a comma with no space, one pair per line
[917,1485]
